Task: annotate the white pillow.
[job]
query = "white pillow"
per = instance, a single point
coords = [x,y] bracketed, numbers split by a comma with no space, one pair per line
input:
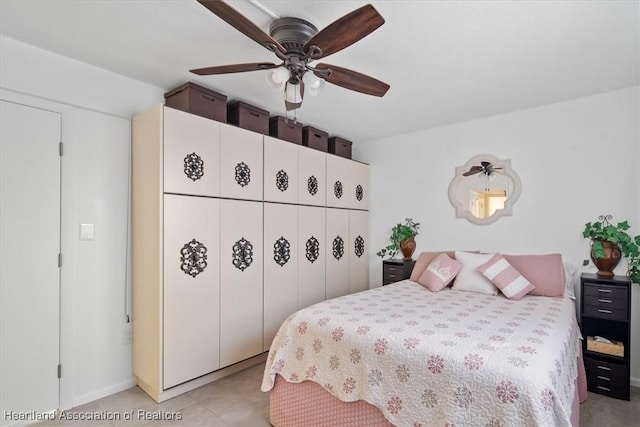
[469,278]
[571,277]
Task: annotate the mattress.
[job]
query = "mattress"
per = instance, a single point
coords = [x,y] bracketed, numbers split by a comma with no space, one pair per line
[424,358]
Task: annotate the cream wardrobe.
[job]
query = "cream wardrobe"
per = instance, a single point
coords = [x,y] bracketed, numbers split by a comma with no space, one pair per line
[233,231]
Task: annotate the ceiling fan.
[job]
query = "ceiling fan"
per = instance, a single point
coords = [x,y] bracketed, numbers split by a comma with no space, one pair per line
[485,168]
[297,43]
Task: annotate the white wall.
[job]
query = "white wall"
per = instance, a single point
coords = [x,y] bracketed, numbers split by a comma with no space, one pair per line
[576,159]
[96,106]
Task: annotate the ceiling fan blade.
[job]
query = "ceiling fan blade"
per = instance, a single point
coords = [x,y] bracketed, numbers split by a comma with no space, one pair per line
[241,23]
[353,80]
[473,170]
[345,31]
[234,68]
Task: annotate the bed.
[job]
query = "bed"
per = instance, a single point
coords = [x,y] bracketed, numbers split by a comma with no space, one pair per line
[406,356]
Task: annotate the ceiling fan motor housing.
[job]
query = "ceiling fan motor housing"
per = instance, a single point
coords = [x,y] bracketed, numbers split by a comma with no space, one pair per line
[292,33]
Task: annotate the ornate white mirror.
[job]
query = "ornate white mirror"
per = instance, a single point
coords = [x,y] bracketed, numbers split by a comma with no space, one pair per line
[484,189]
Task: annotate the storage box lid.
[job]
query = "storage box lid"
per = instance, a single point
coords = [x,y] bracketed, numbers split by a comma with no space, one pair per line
[314,130]
[342,140]
[197,87]
[288,122]
[242,104]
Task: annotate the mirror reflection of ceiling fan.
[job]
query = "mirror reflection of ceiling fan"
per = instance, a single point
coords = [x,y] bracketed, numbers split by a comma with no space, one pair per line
[297,43]
[485,168]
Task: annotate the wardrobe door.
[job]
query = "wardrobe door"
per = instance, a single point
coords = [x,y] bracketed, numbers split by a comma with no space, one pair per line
[358,251]
[337,243]
[241,163]
[339,177]
[191,154]
[280,267]
[359,185]
[312,174]
[191,288]
[280,170]
[312,255]
[241,254]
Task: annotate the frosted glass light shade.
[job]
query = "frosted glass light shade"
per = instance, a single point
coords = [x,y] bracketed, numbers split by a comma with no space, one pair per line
[292,93]
[310,80]
[280,75]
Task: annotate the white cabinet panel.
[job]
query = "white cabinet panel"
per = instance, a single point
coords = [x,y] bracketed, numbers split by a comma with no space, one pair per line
[339,181]
[280,170]
[191,288]
[280,267]
[191,154]
[312,255]
[358,192]
[241,254]
[241,163]
[312,174]
[358,251]
[337,244]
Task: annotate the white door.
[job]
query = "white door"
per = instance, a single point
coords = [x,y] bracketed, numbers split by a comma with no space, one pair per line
[339,181]
[280,266]
[29,273]
[241,163]
[358,251]
[241,254]
[191,287]
[280,170]
[312,173]
[313,250]
[337,244]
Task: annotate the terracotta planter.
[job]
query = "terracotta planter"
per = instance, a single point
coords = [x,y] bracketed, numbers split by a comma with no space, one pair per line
[407,246]
[608,262]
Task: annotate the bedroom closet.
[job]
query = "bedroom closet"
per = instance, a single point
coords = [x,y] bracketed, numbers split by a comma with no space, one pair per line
[232,231]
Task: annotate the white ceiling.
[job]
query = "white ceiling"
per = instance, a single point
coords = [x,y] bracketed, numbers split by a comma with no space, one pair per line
[446,61]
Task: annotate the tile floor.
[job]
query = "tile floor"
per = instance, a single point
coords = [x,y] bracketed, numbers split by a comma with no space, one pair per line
[236,401]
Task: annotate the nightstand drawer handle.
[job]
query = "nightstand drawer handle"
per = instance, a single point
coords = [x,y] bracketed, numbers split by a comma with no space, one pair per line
[603,378]
[608,291]
[604,367]
[604,388]
[605,311]
[608,301]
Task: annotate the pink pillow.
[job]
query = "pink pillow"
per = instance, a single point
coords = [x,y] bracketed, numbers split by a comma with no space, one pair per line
[545,272]
[506,278]
[439,273]
[425,259]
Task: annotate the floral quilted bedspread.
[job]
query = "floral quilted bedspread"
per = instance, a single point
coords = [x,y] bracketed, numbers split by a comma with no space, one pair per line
[451,358]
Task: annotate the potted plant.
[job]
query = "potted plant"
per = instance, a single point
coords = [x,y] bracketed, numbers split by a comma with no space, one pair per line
[402,238]
[609,242]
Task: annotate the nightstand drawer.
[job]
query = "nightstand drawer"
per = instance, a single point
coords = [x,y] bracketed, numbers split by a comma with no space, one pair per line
[393,269]
[597,290]
[606,378]
[604,312]
[390,278]
[607,302]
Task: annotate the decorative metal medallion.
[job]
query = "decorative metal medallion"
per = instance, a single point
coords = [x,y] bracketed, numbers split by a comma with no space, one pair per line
[312,185]
[281,252]
[359,192]
[243,174]
[193,258]
[337,189]
[282,180]
[242,254]
[338,247]
[193,166]
[359,246]
[313,249]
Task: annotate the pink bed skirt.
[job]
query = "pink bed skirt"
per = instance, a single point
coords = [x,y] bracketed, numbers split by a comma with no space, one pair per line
[308,404]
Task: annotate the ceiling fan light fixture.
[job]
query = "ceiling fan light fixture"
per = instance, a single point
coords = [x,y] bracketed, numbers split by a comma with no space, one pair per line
[273,85]
[280,75]
[292,93]
[311,81]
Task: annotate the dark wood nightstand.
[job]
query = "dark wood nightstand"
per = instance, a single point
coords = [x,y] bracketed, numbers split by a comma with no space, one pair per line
[394,270]
[606,312]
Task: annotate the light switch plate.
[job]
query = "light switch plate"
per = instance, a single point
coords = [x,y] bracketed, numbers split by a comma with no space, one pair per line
[86,231]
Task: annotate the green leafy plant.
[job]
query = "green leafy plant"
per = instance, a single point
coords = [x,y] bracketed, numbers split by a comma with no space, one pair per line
[399,232]
[602,230]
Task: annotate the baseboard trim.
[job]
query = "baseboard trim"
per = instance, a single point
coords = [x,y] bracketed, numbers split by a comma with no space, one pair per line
[635,382]
[103,392]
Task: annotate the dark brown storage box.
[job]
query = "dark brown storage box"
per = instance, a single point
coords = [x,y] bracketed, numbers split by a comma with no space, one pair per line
[287,130]
[340,147]
[315,138]
[198,100]
[249,117]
